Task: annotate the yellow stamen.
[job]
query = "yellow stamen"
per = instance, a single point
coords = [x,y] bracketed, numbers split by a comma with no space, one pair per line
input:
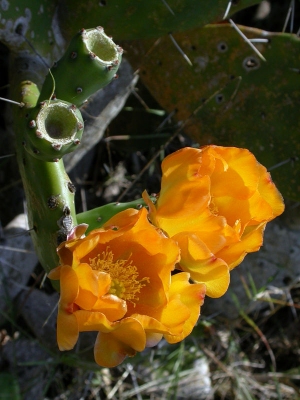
[124,276]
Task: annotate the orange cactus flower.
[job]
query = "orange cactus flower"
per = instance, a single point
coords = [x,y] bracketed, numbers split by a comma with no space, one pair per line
[117,281]
[215,203]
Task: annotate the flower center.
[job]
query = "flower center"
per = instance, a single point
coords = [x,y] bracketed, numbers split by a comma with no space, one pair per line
[124,276]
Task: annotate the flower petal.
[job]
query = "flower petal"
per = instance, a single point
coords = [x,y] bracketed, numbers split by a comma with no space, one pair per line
[192,297]
[235,173]
[54,274]
[88,286]
[176,202]
[250,242]
[69,286]
[84,247]
[67,330]
[127,337]
[269,192]
[203,266]
[111,306]
[92,321]
[104,282]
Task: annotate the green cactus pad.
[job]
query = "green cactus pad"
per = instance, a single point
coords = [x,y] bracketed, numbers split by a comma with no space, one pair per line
[54,128]
[127,19]
[34,21]
[89,64]
[237,99]
[49,25]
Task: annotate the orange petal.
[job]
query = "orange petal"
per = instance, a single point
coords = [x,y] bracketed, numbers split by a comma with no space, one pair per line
[127,338]
[260,209]
[251,241]
[92,321]
[252,211]
[153,328]
[84,247]
[54,274]
[65,251]
[88,286]
[67,330]
[151,206]
[124,219]
[104,282]
[192,296]
[212,230]
[174,316]
[186,198]
[68,286]
[203,266]
[77,232]
[111,306]
[269,192]
[187,163]
[150,323]
[235,166]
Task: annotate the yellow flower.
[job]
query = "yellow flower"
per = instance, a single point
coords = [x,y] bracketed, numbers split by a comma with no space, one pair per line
[215,203]
[117,281]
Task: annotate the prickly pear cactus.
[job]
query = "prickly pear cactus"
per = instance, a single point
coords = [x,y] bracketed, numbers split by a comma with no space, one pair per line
[48,128]
[229,95]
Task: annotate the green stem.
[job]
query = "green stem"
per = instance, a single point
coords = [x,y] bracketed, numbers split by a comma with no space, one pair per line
[51,210]
[89,63]
[48,189]
[52,128]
